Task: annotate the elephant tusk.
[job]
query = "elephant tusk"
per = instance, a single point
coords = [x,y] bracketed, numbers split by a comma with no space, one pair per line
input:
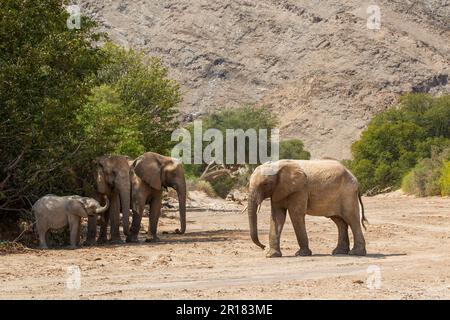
[243,210]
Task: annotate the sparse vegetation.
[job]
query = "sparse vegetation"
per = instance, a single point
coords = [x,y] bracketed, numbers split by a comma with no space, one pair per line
[396,140]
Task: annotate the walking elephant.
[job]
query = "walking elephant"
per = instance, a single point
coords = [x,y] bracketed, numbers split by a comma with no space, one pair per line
[112,176]
[315,187]
[150,173]
[53,213]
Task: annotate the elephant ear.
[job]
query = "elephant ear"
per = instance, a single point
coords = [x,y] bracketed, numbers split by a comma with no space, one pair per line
[77,207]
[291,179]
[149,170]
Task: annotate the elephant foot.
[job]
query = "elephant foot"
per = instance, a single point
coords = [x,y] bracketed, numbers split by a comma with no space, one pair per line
[358,252]
[303,253]
[73,247]
[116,241]
[102,240]
[43,247]
[132,239]
[152,239]
[89,243]
[273,253]
[340,251]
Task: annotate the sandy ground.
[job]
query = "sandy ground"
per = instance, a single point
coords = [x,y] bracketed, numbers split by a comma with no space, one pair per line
[408,258]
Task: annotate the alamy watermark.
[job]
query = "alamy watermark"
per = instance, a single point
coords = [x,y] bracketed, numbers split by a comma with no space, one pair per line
[374,17]
[74,20]
[241,147]
[73,278]
[373,277]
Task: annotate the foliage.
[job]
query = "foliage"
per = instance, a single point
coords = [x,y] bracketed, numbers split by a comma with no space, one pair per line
[46,72]
[64,101]
[293,149]
[397,139]
[108,125]
[444,181]
[148,95]
[425,178]
[245,118]
[223,186]
[205,186]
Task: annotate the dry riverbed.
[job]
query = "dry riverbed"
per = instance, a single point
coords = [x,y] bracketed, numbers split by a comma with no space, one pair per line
[408,244]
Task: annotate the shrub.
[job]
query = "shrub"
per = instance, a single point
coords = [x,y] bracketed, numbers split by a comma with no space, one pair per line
[206,187]
[293,149]
[223,186]
[444,181]
[422,180]
[396,140]
[426,177]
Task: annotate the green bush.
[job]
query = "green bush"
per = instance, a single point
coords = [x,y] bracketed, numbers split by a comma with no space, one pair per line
[46,74]
[396,140]
[293,149]
[426,177]
[444,181]
[223,186]
[108,126]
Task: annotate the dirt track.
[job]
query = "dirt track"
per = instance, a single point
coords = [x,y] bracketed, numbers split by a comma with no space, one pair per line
[408,239]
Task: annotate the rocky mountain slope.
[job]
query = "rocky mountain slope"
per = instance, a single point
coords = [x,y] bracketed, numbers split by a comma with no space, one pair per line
[315,63]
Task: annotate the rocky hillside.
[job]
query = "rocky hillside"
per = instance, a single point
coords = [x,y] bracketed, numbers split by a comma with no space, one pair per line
[315,63]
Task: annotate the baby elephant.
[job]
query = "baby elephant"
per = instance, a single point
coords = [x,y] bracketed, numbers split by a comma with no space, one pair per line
[54,212]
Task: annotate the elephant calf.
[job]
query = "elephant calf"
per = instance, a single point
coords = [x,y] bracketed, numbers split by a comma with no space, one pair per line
[54,212]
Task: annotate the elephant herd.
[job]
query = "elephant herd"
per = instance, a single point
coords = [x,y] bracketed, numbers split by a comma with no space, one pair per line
[298,187]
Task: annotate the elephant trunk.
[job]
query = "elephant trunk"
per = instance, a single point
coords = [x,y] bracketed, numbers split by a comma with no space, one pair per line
[125,202]
[181,191]
[101,210]
[253,204]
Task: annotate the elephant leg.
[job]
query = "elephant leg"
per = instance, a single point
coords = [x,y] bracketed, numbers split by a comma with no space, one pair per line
[297,212]
[114,217]
[104,220]
[79,233]
[359,246]
[343,246]
[138,212]
[352,217]
[277,220]
[91,231]
[136,224]
[74,225]
[42,232]
[155,212]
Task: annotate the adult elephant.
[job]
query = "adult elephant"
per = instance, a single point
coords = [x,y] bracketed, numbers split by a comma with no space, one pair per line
[112,176]
[315,187]
[150,173]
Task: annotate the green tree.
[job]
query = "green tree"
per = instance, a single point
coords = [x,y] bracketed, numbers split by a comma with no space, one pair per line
[46,73]
[396,140]
[108,125]
[145,90]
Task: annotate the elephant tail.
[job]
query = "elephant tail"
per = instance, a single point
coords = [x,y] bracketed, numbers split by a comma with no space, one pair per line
[363,217]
